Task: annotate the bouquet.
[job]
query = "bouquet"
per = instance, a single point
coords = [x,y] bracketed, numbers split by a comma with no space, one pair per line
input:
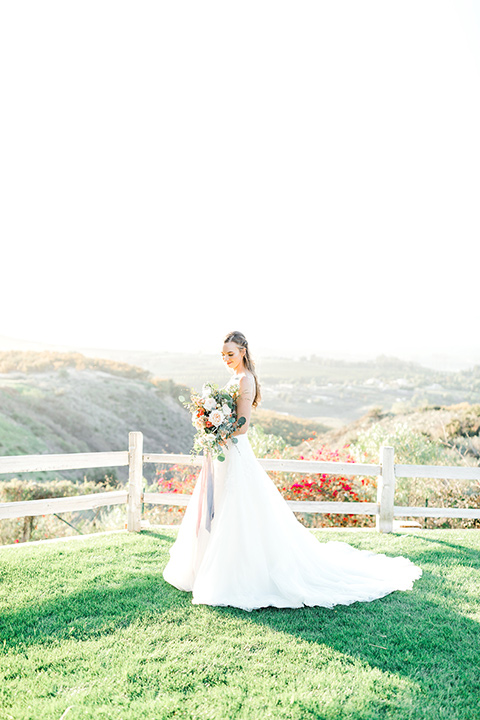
[214,415]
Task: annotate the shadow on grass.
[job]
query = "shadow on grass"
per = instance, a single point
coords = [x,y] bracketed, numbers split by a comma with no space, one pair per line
[470,557]
[421,635]
[425,635]
[99,606]
[170,539]
[405,635]
[91,612]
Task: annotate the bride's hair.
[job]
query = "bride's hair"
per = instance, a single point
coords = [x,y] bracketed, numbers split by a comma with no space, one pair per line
[239,339]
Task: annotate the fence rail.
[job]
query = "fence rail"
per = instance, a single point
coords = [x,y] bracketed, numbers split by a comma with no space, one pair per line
[384,509]
[439,472]
[68,461]
[50,506]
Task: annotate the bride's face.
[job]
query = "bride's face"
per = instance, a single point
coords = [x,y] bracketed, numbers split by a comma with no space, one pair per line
[232,356]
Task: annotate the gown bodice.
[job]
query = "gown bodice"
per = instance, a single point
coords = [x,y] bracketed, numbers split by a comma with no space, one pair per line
[235,380]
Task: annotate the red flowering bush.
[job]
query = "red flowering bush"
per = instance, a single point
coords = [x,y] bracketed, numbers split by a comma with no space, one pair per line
[176,478]
[171,479]
[328,488]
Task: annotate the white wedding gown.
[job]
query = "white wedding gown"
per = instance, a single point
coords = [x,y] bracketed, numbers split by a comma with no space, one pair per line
[257,554]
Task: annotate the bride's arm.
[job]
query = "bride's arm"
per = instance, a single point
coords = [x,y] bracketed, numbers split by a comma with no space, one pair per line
[244,404]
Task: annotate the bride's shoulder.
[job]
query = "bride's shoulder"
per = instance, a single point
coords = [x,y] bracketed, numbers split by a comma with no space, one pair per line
[246,382]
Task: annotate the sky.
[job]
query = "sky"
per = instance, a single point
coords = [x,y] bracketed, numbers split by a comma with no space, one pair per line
[305,172]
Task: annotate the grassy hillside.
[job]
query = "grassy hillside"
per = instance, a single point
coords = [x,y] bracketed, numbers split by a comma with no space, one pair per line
[455,427]
[292,429]
[57,403]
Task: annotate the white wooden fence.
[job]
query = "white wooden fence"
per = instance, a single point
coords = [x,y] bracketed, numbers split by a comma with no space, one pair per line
[133,496]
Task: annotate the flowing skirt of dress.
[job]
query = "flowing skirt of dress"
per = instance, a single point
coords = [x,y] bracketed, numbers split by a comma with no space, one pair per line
[258,555]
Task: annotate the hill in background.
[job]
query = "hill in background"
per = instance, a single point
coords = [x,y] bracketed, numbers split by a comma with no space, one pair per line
[66,402]
[332,392]
[454,427]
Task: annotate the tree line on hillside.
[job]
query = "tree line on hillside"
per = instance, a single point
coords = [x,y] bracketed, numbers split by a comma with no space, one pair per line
[31,361]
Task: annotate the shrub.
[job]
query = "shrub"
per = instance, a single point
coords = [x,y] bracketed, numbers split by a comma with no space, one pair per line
[411,446]
[415,448]
[466,423]
[264,444]
[49,526]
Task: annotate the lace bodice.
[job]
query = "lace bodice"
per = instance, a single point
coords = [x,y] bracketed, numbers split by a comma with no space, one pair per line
[235,380]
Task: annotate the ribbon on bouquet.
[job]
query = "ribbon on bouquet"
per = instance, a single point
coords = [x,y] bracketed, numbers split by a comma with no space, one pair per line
[206,493]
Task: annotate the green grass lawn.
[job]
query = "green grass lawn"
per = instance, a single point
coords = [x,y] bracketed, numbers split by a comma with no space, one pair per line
[89,629]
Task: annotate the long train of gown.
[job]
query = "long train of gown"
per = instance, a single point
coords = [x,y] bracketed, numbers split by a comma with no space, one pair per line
[257,554]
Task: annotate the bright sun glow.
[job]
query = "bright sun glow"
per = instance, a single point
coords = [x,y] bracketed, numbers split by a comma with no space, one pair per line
[306,172]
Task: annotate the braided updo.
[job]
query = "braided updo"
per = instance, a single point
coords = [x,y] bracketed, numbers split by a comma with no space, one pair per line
[239,339]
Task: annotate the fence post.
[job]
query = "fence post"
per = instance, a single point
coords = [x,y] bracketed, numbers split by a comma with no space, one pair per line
[386,490]
[135,477]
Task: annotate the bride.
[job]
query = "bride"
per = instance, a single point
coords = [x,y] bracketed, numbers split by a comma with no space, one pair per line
[255,553]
